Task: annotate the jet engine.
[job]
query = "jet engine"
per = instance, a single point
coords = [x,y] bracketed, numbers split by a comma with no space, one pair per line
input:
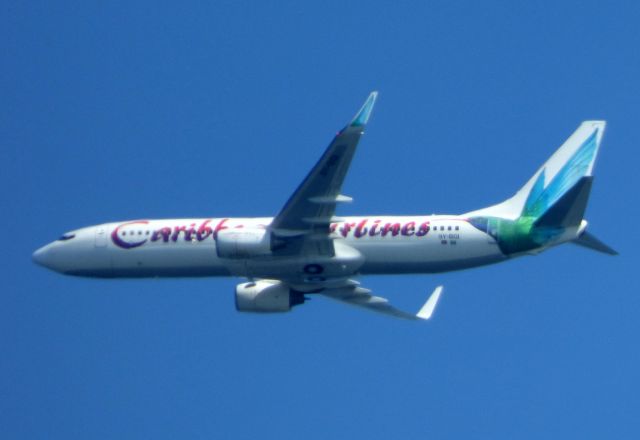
[242,243]
[266,296]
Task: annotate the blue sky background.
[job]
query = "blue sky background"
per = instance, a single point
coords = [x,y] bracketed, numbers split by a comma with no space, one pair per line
[124,110]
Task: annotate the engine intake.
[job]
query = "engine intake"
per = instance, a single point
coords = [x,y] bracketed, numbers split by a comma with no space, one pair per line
[266,296]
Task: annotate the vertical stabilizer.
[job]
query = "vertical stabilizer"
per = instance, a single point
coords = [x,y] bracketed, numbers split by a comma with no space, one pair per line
[549,209]
[573,161]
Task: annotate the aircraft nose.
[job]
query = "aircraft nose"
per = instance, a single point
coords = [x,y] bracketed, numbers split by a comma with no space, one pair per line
[41,256]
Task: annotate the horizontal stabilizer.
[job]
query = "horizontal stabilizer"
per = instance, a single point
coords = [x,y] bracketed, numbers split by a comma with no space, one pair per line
[589,241]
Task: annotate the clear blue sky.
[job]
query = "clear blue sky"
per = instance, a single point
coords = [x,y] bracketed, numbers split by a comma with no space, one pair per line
[159,109]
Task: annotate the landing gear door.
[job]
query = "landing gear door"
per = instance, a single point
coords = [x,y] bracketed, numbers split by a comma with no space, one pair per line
[101,236]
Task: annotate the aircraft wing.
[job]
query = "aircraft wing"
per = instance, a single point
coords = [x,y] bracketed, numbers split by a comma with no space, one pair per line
[361,297]
[302,226]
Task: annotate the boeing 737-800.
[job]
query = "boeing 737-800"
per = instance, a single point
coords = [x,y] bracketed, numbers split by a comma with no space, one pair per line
[305,249]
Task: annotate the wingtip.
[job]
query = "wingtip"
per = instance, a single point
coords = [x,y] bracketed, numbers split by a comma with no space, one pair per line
[362,117]
[429,307]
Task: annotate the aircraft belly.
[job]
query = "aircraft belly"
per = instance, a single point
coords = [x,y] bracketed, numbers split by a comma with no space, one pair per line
[428,255]
[412,267]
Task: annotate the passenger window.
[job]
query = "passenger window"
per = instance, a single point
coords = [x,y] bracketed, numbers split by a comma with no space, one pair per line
[449,228]
[457,228]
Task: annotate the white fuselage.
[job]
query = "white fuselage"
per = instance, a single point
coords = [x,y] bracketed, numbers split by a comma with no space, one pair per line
[187,247]
[305,249]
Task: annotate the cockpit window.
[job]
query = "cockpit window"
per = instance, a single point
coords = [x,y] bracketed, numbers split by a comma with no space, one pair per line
[66,237]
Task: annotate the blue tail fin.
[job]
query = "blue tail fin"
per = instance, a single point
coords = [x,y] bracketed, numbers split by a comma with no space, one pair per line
[562,201]
[569,167]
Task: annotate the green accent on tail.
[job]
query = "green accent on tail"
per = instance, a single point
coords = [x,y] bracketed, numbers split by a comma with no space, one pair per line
[516,236]
[529,232]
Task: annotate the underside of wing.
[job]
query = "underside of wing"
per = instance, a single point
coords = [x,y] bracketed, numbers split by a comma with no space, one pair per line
[302,226]
[305,258]
[361,297]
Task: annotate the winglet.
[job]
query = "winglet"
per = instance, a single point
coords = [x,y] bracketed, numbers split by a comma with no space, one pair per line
[362,117]
[427,309]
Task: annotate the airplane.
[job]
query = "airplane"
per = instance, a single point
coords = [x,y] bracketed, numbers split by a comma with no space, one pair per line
[306,249]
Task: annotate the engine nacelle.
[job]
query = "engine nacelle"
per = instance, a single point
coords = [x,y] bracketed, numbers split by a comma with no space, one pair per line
[266,296]
[242,243]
